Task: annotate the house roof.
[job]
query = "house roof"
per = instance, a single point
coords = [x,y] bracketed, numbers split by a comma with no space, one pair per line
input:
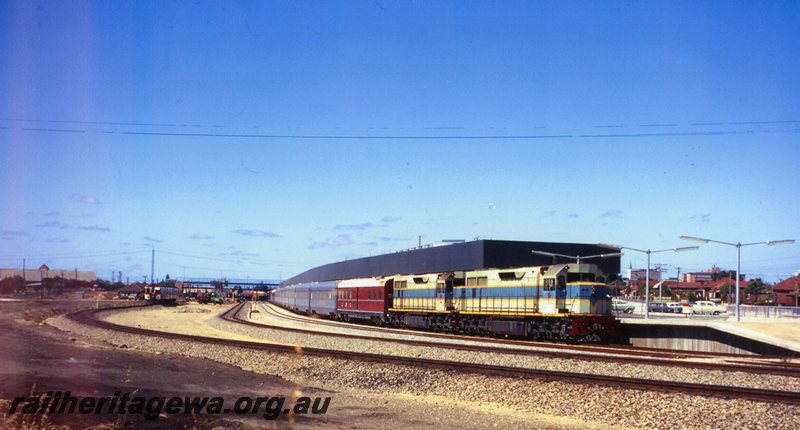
[713,285]
[791,284]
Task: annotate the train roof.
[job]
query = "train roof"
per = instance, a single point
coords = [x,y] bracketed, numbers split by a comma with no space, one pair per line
[474,255]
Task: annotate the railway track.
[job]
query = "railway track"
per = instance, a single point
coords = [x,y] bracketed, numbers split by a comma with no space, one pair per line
[615,349]
[622,355]
[89,317]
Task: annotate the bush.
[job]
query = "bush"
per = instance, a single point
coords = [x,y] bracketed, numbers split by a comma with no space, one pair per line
[11,285]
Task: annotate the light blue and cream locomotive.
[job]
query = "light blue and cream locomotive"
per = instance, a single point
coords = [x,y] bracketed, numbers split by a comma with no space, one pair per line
[560,301]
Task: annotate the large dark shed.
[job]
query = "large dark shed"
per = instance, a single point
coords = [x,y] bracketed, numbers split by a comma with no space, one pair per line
[479,254]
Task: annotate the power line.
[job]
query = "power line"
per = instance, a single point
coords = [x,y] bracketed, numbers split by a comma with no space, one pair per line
[73,256]
[523,136]
[248,259]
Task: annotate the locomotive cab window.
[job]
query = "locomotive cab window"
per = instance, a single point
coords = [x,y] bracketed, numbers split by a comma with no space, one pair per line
[580,277]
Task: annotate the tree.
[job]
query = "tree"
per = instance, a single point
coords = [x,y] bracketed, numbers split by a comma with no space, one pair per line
[755,287]
[725,292]
[723,274]
[769,295]
[11,285]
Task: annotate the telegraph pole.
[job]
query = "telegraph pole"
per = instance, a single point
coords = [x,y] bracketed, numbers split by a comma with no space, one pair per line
[152,264]
[660,270]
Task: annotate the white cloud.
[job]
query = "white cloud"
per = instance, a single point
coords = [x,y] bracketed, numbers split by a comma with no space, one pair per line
[256,233]
[88,200]
[333,242]
[612,213]
[94,228]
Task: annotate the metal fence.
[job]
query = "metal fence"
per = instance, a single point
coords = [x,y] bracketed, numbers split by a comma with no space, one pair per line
[767,311]
[746,311]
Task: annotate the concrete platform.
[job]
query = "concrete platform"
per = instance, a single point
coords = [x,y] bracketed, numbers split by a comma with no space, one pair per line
[743,336]
[782,333]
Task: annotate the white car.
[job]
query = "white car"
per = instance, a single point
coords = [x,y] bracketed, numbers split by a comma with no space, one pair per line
[708,308]
[622,306]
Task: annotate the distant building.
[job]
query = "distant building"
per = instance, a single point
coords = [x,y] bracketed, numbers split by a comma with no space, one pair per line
[636,274]
[706,290]
[36,275]
[704,276]
[457,256]
[787,291]
[697,277]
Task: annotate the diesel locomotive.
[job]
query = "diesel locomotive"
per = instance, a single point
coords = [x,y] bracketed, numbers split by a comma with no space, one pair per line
[555,302]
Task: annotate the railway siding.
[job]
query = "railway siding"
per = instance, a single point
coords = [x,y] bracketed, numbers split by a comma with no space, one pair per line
[587,365]
[617,407]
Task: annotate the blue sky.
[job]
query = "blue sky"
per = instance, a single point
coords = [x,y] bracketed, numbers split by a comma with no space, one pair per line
[253,139]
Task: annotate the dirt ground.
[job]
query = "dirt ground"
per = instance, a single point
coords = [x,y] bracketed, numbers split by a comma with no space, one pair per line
[39,357]
[186,319]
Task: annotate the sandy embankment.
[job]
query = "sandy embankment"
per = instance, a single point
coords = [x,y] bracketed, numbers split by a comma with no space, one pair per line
[192,319]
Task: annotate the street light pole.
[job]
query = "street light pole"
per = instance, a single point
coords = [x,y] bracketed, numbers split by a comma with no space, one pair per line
[578,258]
[647,272]
[738,271]
[739,246]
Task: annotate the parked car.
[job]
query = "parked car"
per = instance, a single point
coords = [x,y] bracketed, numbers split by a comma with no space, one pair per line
[708,308]
[212,298]
[675,308]
[659,307]
[622,306]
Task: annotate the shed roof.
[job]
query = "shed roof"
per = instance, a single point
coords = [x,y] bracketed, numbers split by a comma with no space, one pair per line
[474,255]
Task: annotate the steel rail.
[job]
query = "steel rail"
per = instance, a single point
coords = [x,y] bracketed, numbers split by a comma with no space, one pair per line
[87,317]
[616,349]
[623,356]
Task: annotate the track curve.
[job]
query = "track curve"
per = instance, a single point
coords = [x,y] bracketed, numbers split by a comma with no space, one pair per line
[89,317]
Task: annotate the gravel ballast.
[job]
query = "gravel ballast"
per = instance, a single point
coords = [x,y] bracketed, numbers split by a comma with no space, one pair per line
[612,406]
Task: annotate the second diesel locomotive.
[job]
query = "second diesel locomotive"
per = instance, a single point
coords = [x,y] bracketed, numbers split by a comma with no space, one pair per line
[558,302]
